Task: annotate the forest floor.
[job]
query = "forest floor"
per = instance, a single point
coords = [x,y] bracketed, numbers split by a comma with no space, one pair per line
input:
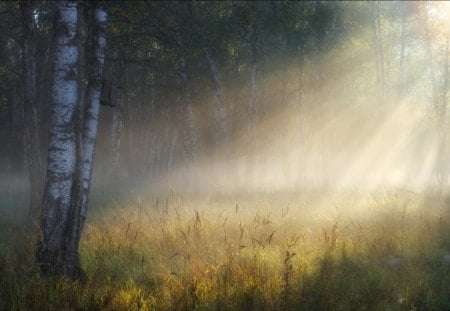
[384,251]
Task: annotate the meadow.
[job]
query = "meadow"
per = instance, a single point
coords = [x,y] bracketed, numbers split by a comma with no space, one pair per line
[383,251]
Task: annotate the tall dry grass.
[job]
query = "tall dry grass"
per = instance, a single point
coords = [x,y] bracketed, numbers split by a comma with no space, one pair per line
[383,252]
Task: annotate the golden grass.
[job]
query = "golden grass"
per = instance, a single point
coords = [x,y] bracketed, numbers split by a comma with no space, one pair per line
[340,253]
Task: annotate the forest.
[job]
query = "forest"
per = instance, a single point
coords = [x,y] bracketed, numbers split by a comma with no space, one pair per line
[224,155]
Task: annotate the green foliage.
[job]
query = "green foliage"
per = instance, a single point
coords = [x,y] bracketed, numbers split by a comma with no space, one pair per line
[177,254]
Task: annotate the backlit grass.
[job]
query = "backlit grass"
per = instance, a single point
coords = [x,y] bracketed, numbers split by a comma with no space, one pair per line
[384,252]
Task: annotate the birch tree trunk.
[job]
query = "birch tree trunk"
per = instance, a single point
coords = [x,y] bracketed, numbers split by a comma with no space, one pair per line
[70,158]
[442,123]
[33,154]
[190,137]
[61,146]
[437,104]
[80,195]
[402,54]
[117,119]
[220,109]
[254,102]
[379,56]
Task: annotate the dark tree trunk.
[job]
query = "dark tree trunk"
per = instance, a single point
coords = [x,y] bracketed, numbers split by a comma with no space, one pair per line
[185,102]
[15,111]
[255,78]
[33,154]
[117,119]
[220,110]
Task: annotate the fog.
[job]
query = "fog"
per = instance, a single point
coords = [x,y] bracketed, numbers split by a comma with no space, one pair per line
[335,137]
[336,115]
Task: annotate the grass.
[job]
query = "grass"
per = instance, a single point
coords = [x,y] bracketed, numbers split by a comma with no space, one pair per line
[385,252]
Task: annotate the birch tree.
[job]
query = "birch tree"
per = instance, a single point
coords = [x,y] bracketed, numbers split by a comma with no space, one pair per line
[117,118]
[439,103]
[401,74]
[255,77]
[220,109]
[70,158]
[190,137]
[61,147]
[378,49]
[80,194]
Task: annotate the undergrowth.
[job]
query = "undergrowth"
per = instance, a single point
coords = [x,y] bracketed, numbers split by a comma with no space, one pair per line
[385,253]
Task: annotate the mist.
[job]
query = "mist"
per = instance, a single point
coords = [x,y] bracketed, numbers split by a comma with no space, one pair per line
[227,155]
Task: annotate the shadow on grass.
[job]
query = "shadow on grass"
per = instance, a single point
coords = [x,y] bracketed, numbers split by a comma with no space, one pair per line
[395,260]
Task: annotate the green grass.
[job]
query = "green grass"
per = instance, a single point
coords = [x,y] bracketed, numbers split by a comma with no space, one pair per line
[384,252]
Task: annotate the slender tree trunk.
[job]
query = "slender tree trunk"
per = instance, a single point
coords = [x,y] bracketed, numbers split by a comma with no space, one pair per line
[117,120]
[300,103]
[190,137]
[379,57]
[434,87]
[129,125]
[61,148]
[16,137]
[222,132]
[173,147]
[436,103]
[33,154]
[150,134]
[442,123]
[254,101]
[401,76]
[91,111]
[116,131]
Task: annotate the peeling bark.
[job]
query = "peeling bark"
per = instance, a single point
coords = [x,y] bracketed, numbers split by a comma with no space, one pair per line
[61,147]
[71,142]
[80,194]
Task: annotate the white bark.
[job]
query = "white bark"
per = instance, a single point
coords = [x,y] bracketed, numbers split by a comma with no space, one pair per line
[69,172]
[61,154]
[80,193]
[93,104]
